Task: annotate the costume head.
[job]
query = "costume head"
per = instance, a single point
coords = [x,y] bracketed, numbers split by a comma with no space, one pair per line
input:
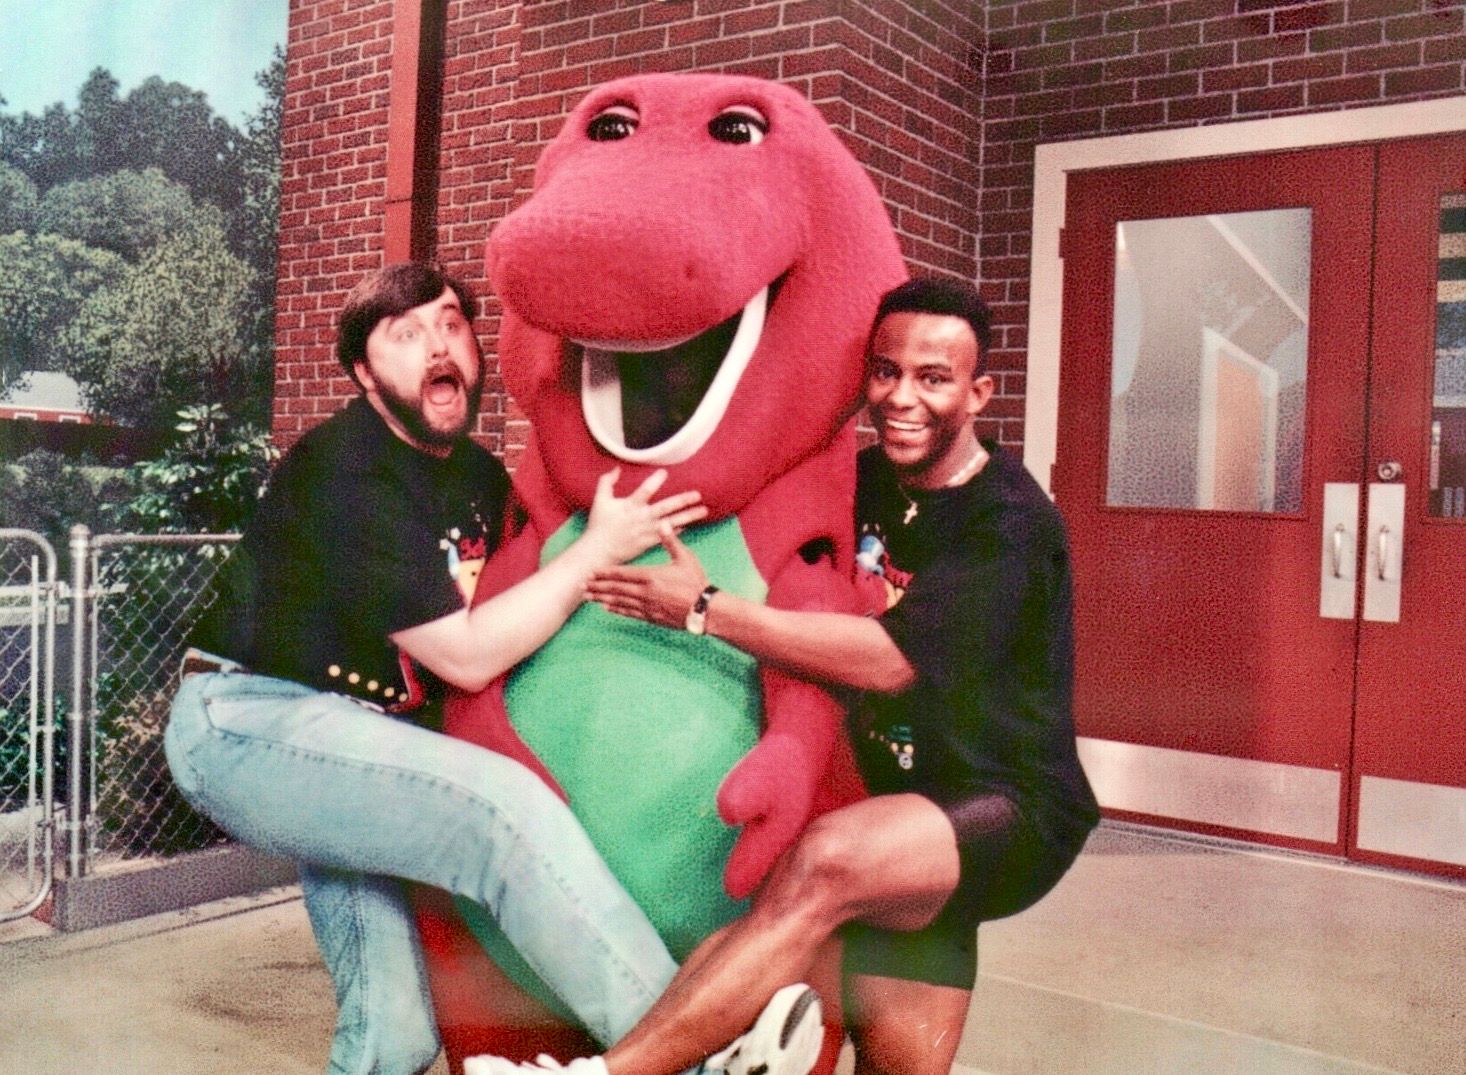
[690,286]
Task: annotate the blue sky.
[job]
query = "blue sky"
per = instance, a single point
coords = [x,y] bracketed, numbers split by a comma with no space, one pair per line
[48,47]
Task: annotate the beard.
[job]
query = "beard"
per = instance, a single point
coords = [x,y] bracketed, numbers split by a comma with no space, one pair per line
[409,411]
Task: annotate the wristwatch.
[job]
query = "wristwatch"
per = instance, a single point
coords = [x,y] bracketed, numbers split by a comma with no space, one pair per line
[697,616]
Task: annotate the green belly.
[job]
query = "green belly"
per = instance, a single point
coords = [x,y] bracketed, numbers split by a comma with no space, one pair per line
[640,724]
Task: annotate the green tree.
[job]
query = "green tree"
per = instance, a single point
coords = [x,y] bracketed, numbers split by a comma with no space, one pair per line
[126,212]
[17,200]
[44,280]
[156,177]
[167,125]
[164,125]
[208,480]
[44,147]
[255,218]
[169,332]
[97,119]
[47,493]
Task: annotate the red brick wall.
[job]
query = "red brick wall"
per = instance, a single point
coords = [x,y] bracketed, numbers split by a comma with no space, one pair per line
[1059,70]
[332,186]
[949,143]
[900,80]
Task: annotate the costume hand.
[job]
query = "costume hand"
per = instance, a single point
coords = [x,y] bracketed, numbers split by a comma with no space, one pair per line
[662,594]
[622,528]
[770,793]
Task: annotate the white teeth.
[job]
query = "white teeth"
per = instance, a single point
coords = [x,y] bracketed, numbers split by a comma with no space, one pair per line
[600,392]
[904,427]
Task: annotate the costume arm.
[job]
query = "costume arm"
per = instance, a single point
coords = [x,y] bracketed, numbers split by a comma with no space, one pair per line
[471,647]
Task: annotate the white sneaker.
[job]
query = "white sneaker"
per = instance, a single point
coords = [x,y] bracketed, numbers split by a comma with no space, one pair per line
[497,1065]
[785,1040]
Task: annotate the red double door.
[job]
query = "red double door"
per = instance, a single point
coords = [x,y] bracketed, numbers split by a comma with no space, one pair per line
[1262,459]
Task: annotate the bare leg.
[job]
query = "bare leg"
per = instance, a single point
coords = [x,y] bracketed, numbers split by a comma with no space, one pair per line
[890,861]
[905,1027]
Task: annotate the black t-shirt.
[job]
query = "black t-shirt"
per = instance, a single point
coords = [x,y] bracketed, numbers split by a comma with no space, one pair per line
[358,536]
[979,597]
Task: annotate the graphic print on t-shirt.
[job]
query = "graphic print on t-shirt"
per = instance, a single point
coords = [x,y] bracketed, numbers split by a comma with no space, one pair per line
[872,558]
[465,550]
[466,553]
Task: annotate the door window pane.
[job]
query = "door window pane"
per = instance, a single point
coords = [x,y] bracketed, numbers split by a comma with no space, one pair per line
[1448,416]
[1210,361]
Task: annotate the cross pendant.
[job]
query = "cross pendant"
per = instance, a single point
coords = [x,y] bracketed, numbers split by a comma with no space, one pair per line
[910,514]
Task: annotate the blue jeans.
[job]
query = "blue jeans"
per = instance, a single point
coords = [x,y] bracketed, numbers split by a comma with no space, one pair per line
[361,799]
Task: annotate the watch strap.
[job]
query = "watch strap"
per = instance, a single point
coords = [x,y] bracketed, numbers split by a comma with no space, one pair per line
[697,616]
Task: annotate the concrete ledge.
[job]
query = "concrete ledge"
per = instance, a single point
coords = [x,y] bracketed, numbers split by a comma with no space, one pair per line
[138,891]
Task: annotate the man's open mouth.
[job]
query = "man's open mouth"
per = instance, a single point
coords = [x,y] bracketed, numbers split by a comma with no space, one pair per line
[658,403]
[441,386]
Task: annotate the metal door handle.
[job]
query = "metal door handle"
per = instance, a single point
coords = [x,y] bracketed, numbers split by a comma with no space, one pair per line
[1337,550]
[1386,527]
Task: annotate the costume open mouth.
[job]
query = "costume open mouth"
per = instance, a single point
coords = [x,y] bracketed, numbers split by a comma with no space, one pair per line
[658,403]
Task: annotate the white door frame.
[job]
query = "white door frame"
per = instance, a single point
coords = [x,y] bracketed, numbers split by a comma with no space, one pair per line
[1237,793]
[1053,162]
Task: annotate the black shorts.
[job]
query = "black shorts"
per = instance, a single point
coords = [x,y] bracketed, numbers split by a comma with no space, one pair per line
[1008,864]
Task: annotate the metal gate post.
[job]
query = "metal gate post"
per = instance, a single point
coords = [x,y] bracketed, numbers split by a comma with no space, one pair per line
[76,717]
[39,616]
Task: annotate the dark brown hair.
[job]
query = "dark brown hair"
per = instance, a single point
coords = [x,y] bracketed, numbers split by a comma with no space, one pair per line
[391,292]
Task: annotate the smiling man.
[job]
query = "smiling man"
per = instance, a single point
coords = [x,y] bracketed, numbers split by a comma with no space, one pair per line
[307,730]
[964,734]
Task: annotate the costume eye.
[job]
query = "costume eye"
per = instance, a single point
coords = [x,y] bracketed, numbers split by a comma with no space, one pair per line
[739,125]
[613,124]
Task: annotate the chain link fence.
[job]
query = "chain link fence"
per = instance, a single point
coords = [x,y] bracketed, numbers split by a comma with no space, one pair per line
[147,593]
[82,770]
[27,719]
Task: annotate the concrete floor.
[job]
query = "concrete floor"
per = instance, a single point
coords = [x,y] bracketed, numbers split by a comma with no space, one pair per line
[1155,954]
[1164,954]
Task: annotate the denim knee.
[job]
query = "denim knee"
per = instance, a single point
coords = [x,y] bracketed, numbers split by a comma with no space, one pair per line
[182,732]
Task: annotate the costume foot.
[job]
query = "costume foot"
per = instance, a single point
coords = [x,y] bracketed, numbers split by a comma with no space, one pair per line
[497,1065]
[785,1040]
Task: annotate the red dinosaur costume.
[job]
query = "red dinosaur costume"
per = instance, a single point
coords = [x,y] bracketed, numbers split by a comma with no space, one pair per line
[689,286]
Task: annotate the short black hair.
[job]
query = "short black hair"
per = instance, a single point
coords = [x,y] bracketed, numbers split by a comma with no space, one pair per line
[391,292]
[941,295]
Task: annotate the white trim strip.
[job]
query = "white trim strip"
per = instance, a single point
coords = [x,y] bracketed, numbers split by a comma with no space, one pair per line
[1421,821]
[1238,793]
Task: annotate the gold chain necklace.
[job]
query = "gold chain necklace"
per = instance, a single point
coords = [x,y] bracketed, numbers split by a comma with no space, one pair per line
[978,458]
